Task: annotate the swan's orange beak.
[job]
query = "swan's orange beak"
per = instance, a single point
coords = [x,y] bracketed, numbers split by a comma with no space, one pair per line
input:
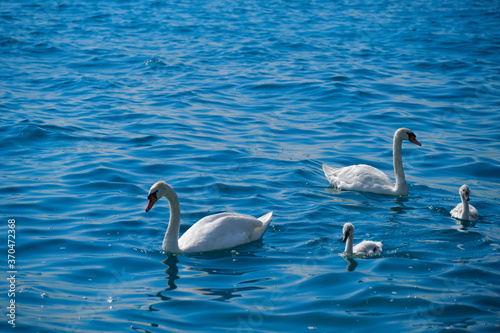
[415,141]
[152,200]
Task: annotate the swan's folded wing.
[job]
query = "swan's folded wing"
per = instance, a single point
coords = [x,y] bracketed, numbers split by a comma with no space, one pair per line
[473,214]
[359,177]
[368,247]
[457,211]
[219,231]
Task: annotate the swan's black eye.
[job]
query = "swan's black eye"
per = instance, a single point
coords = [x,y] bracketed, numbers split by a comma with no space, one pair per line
[152,195]
[411,135]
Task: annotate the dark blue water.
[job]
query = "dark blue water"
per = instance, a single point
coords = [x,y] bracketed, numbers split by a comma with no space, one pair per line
[237,104]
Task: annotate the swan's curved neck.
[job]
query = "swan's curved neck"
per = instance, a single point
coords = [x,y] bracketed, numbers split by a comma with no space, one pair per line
[401,185]
[171,239]
[465,209]
[348,244]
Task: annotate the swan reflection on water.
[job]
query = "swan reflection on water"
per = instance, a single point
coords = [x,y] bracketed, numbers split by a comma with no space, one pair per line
[219,293]
[465,224]
[172,271]
[351,264]
[401,208]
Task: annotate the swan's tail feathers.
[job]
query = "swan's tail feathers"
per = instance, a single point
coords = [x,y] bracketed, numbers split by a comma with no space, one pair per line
[330,174]
[266,220]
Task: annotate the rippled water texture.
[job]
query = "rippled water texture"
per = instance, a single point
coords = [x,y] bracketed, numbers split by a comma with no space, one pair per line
[237,104]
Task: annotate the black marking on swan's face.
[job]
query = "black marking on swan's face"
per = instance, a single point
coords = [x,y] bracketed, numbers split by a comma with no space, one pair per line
[153,194]
[413,138]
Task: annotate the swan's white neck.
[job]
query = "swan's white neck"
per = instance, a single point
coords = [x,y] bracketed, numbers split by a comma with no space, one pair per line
[348,244]
[465,209]
[171,239]
[401,185]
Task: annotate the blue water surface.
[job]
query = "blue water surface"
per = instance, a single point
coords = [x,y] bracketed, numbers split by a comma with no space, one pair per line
[237,104]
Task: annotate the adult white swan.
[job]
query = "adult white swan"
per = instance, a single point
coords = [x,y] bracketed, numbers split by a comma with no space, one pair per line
[365,247]
[463,210]
[366,178]
[213,232]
